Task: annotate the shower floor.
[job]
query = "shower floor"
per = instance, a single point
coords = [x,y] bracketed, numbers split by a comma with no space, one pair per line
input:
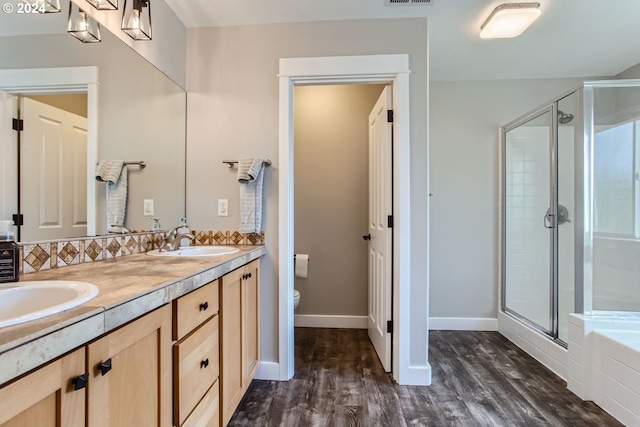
[479,379]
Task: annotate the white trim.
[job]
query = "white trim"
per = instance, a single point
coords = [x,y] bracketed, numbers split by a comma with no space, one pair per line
[392,69]
[462,324]
[328,321]
[67,80]
[268,371]
[418,375]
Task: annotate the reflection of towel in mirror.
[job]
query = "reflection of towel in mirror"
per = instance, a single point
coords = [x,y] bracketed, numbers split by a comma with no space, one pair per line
[250,177]
[114,173]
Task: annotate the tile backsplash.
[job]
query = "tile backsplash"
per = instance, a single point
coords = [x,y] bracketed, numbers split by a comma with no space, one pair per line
[44,255]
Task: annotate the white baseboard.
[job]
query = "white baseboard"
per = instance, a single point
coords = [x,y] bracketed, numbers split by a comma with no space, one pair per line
[418,375]
[462,324]
[268,371]
[322,321]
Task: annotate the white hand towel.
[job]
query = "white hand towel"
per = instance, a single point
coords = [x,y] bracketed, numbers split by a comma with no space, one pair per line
[115,174]
[251,197]
[109,170]
[243,170]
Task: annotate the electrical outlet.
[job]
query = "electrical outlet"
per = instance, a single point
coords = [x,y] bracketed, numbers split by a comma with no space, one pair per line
[148,207]
[223,207]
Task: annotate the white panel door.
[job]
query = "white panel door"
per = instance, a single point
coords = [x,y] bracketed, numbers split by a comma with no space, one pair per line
[380,234]
[53,172]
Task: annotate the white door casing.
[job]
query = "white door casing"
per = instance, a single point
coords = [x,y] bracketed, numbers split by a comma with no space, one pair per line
[8,158]
[380,234]
[53,172]
[382,69]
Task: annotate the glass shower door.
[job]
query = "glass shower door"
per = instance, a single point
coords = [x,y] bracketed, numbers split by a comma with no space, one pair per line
[529,219]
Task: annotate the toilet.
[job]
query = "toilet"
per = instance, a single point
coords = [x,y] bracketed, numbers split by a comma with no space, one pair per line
[296,299]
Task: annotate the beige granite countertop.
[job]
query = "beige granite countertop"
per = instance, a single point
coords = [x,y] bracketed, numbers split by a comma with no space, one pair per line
[129,286]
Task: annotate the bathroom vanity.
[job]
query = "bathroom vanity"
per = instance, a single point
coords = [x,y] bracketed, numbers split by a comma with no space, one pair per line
[166,342]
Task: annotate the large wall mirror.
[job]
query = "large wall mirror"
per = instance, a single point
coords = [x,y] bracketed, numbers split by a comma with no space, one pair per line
[141,116]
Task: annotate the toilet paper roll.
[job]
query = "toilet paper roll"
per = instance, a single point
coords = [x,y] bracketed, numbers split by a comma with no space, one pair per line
[302,265]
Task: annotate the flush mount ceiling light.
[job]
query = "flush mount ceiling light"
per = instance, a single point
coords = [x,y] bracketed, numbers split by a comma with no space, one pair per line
[104,4]
[509,20]
[136,19]
[82,26]
[42,6]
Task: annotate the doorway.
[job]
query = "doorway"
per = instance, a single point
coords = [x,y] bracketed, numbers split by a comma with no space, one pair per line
[54,80]
[343,160]
[382,69]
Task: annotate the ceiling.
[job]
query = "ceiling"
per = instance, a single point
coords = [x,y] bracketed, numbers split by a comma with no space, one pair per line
[572,38]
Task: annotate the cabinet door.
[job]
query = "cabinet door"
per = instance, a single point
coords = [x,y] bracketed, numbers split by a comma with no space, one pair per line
[231,372]
[47,396]
[250,322]
[130,374]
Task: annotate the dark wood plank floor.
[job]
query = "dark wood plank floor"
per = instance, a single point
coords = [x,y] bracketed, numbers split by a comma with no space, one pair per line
[479,379]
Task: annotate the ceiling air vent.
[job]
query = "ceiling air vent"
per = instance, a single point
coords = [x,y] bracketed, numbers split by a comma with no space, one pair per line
[407,2]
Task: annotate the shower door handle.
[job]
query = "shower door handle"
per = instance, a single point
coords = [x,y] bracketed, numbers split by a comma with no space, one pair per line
[548,220]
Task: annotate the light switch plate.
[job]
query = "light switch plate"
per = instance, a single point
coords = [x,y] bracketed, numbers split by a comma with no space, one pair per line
[148,207]
[223,207]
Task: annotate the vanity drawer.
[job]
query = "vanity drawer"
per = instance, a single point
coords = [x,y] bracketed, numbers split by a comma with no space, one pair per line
[196,368]
[192,309]
[207,413]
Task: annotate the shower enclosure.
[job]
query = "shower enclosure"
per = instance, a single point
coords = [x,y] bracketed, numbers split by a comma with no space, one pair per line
[570,207]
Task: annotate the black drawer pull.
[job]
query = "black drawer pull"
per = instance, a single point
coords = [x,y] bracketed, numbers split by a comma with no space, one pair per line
[204,363]
[105,366]
[80,381]
[204,306]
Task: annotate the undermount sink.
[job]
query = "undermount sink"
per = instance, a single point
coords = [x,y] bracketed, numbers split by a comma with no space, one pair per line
[24,301]
[196,251]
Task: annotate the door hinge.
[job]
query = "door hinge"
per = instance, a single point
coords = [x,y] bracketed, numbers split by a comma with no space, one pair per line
[389,326]
[18,124]
[390,221]
[389,116]
[18,219]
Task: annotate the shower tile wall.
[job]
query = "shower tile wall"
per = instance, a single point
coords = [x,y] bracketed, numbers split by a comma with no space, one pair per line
[527,241]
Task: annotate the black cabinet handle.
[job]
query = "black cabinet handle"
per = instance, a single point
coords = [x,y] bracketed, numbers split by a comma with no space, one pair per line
[80,381]
[245,276]
[204,306]
[204,363]
[367,236]
[249,275]
[105,366]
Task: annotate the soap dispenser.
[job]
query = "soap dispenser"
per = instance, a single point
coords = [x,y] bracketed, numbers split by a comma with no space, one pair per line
[9,254]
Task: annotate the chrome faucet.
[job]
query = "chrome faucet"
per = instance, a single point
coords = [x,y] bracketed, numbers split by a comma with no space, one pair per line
[120,227]
[172,241]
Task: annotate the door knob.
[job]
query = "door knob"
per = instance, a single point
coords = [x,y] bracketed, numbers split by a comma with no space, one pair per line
[367,236]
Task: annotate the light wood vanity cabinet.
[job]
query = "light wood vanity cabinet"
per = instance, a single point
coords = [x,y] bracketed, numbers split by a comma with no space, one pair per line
[239,335]
[196,358]
[47,396]
[130,374]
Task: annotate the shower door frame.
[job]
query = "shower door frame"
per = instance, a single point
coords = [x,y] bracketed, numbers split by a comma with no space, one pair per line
[552,109]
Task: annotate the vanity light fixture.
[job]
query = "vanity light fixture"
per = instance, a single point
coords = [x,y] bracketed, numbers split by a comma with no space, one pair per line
[104,4]
[42,6]
[136,19]
[509,20]
[82,26]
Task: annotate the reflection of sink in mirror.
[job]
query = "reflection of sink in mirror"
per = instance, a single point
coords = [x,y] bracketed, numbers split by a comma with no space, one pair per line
[24,301]
[197,251]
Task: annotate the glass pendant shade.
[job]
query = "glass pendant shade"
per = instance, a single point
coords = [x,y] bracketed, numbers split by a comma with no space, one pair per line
[42,6]
[136,19]
[104,4]
[82,26]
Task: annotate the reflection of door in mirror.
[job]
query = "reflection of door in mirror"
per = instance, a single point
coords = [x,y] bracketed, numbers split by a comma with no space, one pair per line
[55,140]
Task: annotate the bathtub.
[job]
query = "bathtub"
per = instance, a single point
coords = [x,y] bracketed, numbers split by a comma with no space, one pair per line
[604,362]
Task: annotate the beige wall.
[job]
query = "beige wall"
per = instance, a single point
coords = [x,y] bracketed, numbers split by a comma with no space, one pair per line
[331,195]
[72,103]
[232,81]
